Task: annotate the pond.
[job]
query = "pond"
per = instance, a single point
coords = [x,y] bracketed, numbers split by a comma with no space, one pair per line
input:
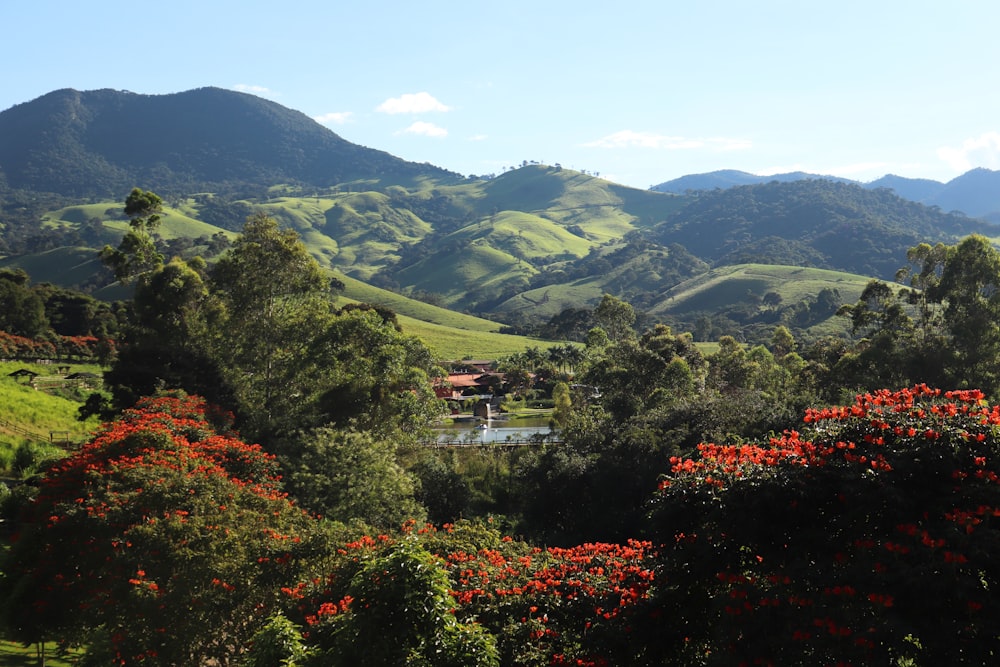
[495,431]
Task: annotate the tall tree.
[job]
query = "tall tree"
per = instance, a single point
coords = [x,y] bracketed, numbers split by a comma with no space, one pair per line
[137,254]
[616,317]
[275,299]
[970,291]
[165,345]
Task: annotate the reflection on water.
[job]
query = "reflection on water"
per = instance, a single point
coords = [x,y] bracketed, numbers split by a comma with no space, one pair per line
[496,432]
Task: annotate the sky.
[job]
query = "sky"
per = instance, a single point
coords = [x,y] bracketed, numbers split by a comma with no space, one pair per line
[638,92]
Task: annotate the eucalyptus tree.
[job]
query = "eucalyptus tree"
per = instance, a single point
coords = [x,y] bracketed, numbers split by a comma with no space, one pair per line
[274,299]
[137,253]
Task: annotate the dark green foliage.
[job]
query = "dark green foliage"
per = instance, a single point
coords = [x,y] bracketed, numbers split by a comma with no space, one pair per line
[943,330]
[349,476]
[401,615]
[39,311]
[22,310]
[445,493]
[98,143]
[836,225]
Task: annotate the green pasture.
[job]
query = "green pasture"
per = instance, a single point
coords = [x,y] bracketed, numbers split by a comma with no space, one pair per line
[448,343]
[30,417]
[475,267]
[730,285]
[59,266]
[363,292]
[523,235]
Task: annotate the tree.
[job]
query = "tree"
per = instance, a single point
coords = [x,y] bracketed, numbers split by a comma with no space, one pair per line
[166,343]
[969,288]
[350,476]
[165,541]
[275,298]
[616,317]
[596,484]
[22,310]
[137,253]
[371,376]
[563,403]
[866,534]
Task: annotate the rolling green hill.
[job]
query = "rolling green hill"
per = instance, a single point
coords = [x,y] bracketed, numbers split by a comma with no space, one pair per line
[519,248]
[765,294]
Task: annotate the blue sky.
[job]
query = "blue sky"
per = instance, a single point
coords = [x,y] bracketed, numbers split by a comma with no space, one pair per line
[639,92]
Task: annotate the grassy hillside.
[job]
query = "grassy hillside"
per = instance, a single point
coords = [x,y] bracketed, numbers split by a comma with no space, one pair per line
[449,343]
[60,266]
[357,290]
[30,417]
[764,294]
[727,285]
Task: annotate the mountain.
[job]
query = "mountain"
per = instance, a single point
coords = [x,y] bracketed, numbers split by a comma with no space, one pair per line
[102,143]
[520,248]
[975,193]
[923,190]
[727,178]
[820,223]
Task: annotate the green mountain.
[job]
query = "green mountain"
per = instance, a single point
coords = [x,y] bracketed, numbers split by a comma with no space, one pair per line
[519,249]
[102,143]
[975,193]
[820,223]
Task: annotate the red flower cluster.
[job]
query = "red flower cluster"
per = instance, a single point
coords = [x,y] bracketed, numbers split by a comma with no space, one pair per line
[837,532]
[163,509]
[539,603]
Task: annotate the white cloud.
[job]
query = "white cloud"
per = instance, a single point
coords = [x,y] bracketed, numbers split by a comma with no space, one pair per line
[423,128]
[253,90]
[633,139]
[334,118]
[981,151]
[478,137]
[411,103]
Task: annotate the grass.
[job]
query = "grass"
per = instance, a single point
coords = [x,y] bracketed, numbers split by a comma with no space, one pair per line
[524,235]
[359,291]
[449,343]
[13,654]
[60,266]
[729,284]
[35,417]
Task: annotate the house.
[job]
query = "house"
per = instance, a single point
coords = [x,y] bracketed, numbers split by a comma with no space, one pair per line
[468,385]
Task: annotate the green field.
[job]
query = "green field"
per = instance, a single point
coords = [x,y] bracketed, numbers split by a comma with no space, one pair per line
[38,417]
[730,285]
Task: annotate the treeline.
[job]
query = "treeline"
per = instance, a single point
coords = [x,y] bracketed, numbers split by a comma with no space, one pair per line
[35,311]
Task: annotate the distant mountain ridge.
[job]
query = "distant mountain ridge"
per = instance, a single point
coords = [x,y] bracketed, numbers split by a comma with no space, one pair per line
[975,193]
[103,142]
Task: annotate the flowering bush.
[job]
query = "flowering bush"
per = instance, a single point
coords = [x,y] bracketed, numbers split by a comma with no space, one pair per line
[67,347]
[165,539]
[541,606]
[867,536]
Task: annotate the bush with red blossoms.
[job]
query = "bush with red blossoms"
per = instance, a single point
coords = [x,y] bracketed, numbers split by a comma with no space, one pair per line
[868,535]
[164,540]
[574,606]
